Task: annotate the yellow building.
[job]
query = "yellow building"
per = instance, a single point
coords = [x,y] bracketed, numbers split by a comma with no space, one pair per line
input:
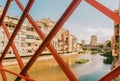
[83,42]
[19,41]
[27,40]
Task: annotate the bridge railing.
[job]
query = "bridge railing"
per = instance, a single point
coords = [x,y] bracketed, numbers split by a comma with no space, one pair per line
[46,43]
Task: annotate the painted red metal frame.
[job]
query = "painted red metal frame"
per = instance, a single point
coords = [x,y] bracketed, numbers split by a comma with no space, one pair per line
[29,5]
[24,77]
[21,64]
[111,75]
[115,17]
[26,11]
[46,42]
[19,60]
[5,11]
[1,20]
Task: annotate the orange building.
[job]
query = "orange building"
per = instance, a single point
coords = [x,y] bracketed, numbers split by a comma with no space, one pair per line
[115,38]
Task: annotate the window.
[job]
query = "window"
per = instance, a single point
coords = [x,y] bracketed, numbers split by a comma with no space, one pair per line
[30,29]
[10,52]
[30,37]
[29,51]
[29,44]
[22,39]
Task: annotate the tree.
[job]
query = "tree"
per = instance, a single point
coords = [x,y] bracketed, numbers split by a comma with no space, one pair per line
[109,44]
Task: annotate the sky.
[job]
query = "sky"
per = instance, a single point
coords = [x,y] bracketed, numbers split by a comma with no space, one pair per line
[84,22]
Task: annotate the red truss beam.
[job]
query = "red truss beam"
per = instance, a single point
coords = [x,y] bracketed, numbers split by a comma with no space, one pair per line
[1,20]
[5,11]
[111,75]
[13,47]
[20,63]
[10,42]
[17,74]
[115,17]
[56,28]
[26,11]
[4,77]
[46,43]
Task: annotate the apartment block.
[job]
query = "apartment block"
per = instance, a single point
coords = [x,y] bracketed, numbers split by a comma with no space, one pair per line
[10,23]
[93,41]
[27,40]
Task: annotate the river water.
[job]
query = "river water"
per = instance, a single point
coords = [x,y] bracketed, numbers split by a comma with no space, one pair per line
[90,71]
[95,69]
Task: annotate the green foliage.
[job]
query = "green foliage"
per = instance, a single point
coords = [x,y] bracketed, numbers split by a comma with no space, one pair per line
[100,46]
[82,61]
[107,54]
[109,58]
[81,52]
[94,52]
[109,44]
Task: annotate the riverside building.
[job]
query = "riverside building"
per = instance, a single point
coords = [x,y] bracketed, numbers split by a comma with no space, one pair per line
[115,38]
[116,46]
[93,41]
[83,42]
[19,41]
[27,40]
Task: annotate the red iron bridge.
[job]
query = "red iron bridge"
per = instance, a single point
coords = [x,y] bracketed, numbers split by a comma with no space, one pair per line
[46,39]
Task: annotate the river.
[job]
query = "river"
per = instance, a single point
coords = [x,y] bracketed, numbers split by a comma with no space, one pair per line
[90,71]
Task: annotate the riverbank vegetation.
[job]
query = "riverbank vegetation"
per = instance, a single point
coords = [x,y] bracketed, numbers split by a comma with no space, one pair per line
[82,61]
[94,52]
[108,57]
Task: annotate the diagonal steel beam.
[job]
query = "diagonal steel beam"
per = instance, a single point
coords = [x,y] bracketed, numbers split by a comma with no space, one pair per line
[56,28]
[115,17]
[29,5]
[50,47]
[13,46]
[26,11]
[111,75]
[24,77]
[20,62]
[1,20]
[5,11]
[104,10]
[4,77]
[8,35]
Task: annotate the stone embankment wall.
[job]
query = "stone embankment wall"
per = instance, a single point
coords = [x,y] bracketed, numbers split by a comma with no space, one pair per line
[48,61]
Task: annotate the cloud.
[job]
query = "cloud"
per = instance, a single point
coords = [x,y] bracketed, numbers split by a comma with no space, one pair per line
[101,33]
[85,31]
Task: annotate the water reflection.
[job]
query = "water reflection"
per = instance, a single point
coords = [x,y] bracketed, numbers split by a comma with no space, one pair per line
[50,74]
[95,75]
[94,68]
[95,63]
